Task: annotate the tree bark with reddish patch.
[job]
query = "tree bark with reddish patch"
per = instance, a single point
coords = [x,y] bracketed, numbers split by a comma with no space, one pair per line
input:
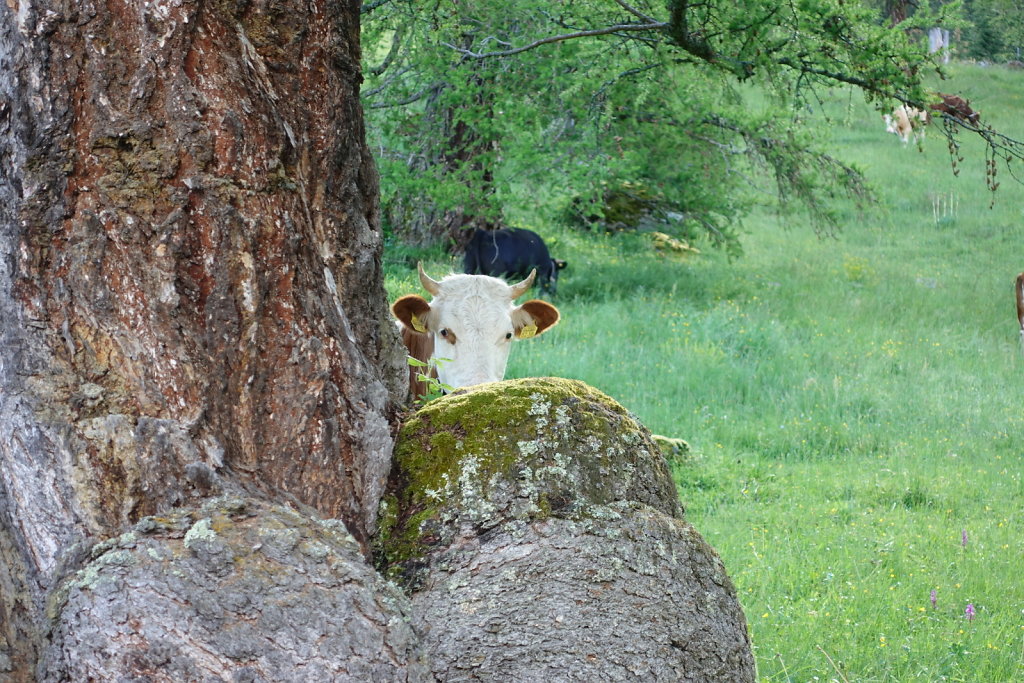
[190,285]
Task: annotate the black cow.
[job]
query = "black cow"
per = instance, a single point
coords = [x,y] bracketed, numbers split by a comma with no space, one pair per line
[512,253]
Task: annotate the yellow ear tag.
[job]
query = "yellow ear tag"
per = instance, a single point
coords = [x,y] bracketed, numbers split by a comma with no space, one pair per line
[417,324]
[528,331]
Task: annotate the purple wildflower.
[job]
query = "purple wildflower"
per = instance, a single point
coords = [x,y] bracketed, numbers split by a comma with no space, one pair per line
[969,612]
[963,538]
[934,596]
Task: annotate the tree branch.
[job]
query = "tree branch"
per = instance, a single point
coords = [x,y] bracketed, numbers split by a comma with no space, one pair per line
[370,6]
[995,141]
[625,74]
[396,42]
[842,78]
[653,26]
[402,102]
[636,13]
[371,92]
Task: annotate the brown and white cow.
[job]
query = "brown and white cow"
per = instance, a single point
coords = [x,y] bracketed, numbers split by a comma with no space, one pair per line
[956,107]
[906,121]
[470,323]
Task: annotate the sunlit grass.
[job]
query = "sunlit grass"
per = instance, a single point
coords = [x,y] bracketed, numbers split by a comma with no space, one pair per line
[855,405]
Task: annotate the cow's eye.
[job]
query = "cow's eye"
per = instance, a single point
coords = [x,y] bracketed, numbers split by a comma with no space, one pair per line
[444,333]
[448,335]
[508,335]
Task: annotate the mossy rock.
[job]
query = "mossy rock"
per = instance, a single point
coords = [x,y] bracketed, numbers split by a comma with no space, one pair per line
[513,451]
[625,206]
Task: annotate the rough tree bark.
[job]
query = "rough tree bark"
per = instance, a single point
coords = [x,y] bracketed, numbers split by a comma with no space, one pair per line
[198,376]
[190,287]
[231,591]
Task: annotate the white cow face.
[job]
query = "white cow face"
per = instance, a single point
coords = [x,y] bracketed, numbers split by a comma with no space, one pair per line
[473,321]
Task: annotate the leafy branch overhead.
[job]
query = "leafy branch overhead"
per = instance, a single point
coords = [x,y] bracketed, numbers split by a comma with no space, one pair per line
[473,102]
[824,39]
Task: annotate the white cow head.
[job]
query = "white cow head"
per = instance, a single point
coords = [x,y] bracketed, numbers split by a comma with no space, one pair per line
[473,321]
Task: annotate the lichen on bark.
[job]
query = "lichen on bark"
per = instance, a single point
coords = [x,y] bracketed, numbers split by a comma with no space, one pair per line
[514,450]
[233,590]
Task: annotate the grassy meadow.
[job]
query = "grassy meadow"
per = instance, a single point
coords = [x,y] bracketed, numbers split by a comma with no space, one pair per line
[854,403]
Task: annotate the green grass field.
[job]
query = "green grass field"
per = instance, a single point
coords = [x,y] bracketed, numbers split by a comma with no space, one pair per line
[854,404]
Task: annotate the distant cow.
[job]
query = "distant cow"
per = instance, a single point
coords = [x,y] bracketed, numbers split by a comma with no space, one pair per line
[1018,289]
[511,253]
[957,107]
[470,322]
[906,120]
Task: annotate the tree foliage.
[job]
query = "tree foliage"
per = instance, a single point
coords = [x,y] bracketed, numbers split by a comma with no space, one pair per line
[996,31]
[986,29]
[500,111]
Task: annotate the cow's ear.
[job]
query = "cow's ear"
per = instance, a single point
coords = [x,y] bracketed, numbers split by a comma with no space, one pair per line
[533,317]
[414,312]
[559,263]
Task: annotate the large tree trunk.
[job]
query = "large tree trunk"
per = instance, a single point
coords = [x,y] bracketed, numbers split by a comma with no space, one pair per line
[190,287]
[197,367]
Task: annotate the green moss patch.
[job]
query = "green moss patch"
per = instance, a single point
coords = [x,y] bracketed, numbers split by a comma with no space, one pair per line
[513,451]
